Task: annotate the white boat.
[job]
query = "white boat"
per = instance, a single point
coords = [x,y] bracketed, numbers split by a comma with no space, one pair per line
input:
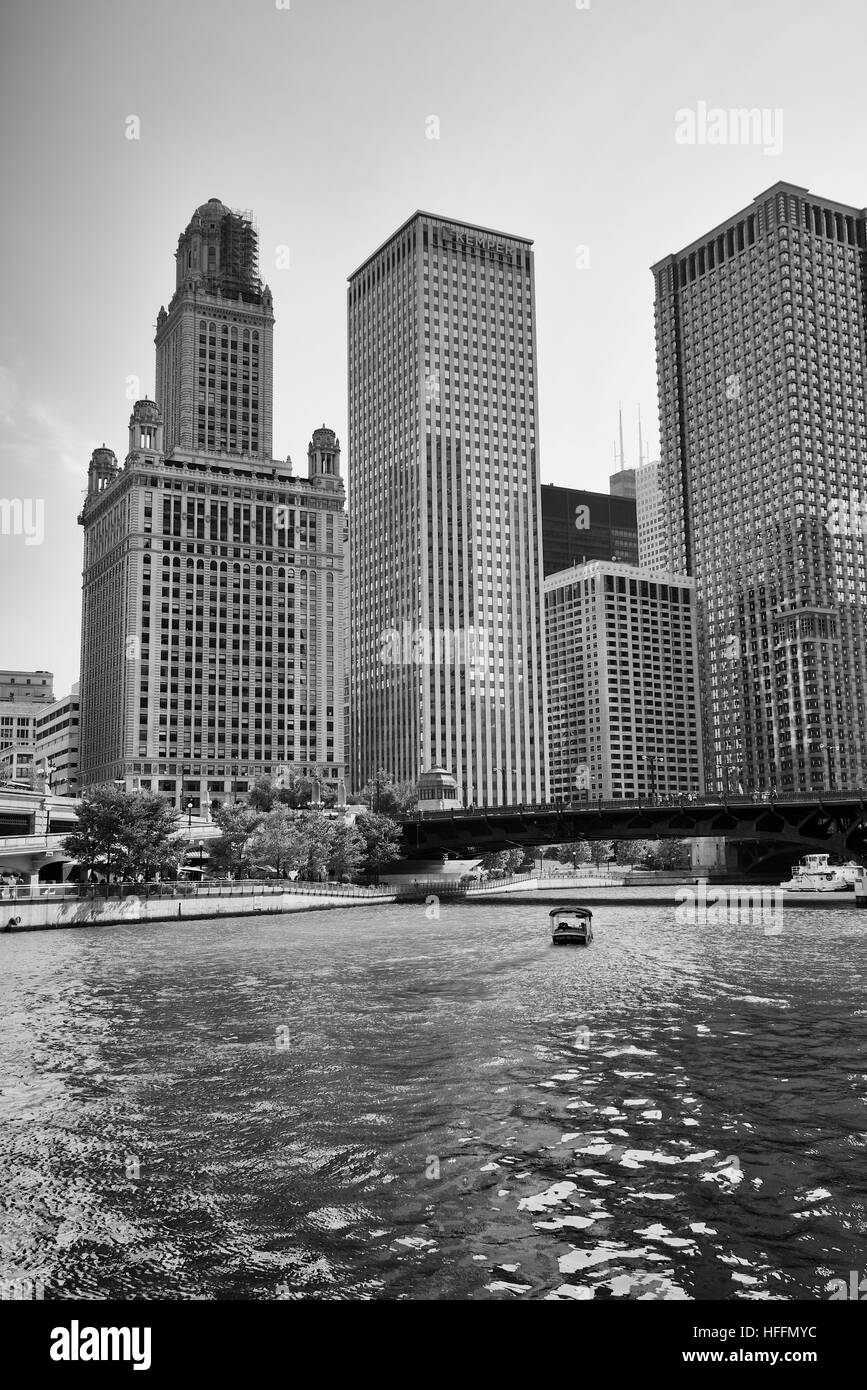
[816,874]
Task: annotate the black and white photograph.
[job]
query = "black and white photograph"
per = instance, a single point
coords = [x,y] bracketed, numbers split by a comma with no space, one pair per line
[433,675]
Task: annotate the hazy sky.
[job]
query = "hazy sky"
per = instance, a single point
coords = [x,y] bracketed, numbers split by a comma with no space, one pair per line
[556,122]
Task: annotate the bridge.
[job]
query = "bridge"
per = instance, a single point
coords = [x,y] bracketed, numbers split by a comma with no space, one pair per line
[766,832]
[34,824]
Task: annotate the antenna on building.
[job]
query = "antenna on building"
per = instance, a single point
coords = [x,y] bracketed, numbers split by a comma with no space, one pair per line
[640,442]
[620,417]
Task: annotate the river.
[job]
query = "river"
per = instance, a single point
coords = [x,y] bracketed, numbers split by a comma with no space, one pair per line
[380,1103]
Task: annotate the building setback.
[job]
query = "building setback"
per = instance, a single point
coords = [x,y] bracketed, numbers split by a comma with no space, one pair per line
[445,536]
[212,574]
[622,685]
[579,526]
[762,362]
[32,686]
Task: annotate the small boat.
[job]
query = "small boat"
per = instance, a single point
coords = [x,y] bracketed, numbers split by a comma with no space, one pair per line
[571,926]
[816,874]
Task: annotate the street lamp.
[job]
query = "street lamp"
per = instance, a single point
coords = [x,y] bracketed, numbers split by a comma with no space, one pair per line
[201,857]
[189,817]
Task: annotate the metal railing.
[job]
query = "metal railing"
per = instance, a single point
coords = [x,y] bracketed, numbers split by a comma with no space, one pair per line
[242,888]
[675,801]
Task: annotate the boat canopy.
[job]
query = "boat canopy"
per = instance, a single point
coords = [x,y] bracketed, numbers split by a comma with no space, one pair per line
[583,912]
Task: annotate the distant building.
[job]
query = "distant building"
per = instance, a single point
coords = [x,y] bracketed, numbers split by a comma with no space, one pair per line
[579,526]
[30,686]
[622,683]
[652,522]
[213,592]
[18,738]
[622,483]
[56,732]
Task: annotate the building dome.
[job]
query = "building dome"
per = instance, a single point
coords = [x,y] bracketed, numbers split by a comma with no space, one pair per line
[147,410]
[438,789]
[324,438]
[214,207]
[104,458]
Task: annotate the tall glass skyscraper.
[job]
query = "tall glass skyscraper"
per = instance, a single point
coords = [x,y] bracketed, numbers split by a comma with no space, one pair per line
[761,331]
[447,649]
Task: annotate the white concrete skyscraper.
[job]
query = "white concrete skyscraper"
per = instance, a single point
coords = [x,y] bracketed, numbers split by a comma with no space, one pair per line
[447,664]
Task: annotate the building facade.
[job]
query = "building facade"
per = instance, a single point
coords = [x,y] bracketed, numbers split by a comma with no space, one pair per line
[762,364]
[56,735]
[18,738]
[623,704]
[622,482]
[579,526]
[445,534]
[213,595]
[33,687]
[651,518]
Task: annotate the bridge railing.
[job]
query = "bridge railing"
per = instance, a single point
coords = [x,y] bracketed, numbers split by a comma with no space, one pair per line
[670,802]
[235,889]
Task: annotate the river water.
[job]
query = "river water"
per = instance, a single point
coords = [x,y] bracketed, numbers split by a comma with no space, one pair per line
[379,1103]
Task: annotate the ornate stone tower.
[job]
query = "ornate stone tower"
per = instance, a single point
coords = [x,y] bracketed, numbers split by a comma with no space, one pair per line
[323,458]
[215,342]
[102,470]
[146,431]
[213,577]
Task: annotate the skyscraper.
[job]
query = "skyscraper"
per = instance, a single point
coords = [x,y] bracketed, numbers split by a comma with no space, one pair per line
[622,683]
[445,537]
[213,396]
[578,526]
[762,363]
[213,594]
[650,518]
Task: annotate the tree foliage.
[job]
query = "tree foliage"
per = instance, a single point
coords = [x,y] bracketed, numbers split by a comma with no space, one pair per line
[125,836]
[381,836]
[386,797]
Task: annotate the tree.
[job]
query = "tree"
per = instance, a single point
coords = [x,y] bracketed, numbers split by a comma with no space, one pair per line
[668,854]
[299,793]
[632,851]
[386,797]
[575,852]
[262,794]
[230,851]
[95,842]
[279,841]
[149,840]
[382,837]
[347,851]
[601,851]
[316,847]
[125,835]
[504,861]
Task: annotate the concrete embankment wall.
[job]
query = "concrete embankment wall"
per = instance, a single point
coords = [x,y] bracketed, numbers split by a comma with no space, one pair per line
[77,912]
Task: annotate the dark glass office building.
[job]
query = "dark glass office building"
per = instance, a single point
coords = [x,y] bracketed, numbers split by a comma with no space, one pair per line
[579,526]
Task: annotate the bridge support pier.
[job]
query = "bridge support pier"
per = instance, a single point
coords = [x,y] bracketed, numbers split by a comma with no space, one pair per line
[709,856]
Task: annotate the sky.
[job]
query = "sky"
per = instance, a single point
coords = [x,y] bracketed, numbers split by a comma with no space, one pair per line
[556,120]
